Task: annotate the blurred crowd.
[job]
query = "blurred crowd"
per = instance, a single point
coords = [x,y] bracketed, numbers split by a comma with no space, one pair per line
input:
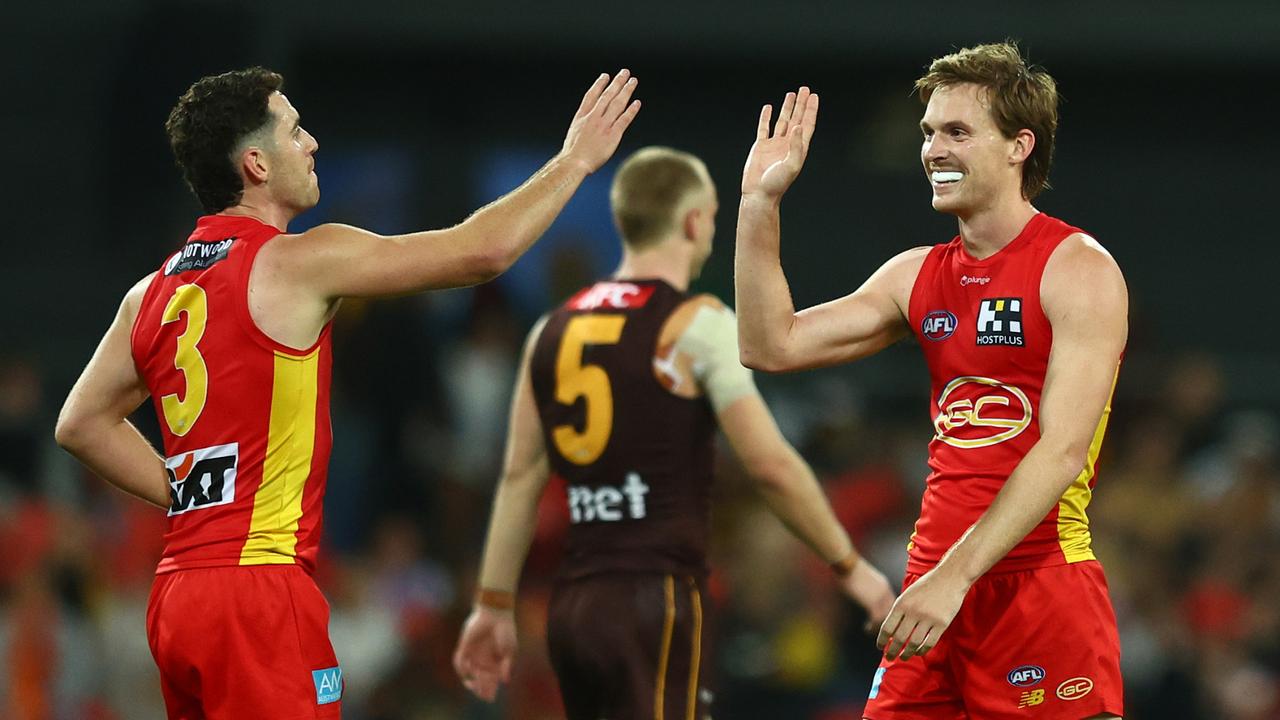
[1186,520]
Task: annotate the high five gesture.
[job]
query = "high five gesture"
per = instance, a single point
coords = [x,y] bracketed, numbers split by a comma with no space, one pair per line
[603,116]
[775,159]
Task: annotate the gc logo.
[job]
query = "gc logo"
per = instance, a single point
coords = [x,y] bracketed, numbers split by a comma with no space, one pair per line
[1075,688]
[970,415]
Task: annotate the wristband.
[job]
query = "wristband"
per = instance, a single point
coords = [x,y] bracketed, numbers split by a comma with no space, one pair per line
[496,599]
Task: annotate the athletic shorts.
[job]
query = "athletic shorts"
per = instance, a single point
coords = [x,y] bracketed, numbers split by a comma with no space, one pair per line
[241,643]
[1038,644]
[629,646]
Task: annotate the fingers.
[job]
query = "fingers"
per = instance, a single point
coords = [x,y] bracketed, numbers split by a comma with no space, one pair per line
[803,120]
[620,102]
[611,91]
[592,95]
[808,117]
[624,120]
[888,628]
[482,685]
[902,638]
[762,129]
[919,642]
[784,115]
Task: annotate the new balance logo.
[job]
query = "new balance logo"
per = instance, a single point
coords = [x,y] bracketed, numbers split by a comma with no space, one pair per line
[202,478]
[1031,698]
[605,503]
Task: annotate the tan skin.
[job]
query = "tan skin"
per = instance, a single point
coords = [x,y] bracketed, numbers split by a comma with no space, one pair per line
[298,280]
[1082,292]
[488,642]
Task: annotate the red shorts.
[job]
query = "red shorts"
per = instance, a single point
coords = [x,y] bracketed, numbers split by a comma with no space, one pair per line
[1032,644]
[234,643]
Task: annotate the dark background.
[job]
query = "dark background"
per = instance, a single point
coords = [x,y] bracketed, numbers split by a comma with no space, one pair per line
[424,111]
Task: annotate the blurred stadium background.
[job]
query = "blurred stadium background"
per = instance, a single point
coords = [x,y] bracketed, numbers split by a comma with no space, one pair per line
[424,111]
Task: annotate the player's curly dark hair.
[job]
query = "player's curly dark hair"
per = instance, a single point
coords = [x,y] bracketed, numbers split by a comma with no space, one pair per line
[207,124]
[1021,96]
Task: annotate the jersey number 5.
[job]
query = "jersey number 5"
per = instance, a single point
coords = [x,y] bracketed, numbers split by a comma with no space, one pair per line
[575,380]
[182,414]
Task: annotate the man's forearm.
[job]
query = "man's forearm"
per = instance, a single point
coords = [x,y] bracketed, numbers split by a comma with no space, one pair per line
[513,222]
[763,298]
[117,453]
[1034,487]
[797,499]
[511,527]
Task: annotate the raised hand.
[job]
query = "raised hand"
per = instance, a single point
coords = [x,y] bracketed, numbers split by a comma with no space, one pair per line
[605,113]
[485,651]
[775,159]
[868,587]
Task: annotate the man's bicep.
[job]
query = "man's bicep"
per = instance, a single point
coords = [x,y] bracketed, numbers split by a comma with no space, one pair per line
[1085,299]
[864,322]
[336,261]
[852,327]
[110,386]
[526,450]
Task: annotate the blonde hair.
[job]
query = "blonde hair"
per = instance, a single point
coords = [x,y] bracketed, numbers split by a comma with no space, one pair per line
[1020,95]
[648,190]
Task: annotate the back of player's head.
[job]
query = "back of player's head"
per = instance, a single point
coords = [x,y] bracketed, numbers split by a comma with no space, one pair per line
[208,125]
[648,191]
[1020,96]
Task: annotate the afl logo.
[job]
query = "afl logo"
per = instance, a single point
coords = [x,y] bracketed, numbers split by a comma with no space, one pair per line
[976,412]
[938,325]
[1026,676]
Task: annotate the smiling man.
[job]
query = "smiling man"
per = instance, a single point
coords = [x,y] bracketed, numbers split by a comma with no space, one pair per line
[230,338]
[1022,319]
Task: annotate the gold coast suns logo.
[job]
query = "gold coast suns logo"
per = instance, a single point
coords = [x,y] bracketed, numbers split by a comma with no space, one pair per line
[976,412]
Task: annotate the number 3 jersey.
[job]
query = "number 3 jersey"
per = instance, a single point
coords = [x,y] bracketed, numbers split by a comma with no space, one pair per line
[636,457]
[245,419]
[987,342]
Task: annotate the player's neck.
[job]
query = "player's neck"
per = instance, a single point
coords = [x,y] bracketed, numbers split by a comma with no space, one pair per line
[266,213]
[658,262]
[986,232]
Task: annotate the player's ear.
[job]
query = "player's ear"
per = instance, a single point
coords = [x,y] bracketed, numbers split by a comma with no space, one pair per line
[255,165]
[1023,143]
[689,224]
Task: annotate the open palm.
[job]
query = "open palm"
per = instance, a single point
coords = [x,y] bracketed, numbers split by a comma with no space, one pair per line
[775,159]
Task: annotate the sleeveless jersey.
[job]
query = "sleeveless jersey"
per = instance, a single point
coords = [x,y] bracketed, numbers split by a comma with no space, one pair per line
[986,341]
[245,419]
[636,458]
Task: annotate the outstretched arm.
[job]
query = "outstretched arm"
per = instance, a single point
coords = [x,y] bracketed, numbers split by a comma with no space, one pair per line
[789,487]
[487,645]
[335,261]
[774,337]
[703,337]
[1085,299]
[93,423]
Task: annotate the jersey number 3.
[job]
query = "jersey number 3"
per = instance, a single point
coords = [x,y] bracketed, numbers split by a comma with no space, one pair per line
[182,414]
[591,382]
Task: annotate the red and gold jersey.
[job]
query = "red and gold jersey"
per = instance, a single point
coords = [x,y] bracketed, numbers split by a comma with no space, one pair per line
[986,340]
[245,419]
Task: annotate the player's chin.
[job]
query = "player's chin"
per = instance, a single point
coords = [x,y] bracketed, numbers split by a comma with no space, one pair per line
[946,204]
